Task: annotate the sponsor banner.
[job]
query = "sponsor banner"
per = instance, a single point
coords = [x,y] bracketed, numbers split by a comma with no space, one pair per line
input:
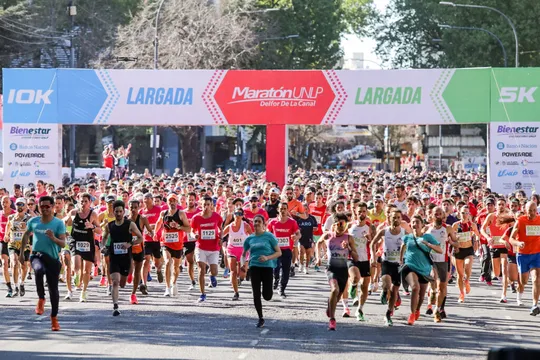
[32,152]
[210,97]
[514,157]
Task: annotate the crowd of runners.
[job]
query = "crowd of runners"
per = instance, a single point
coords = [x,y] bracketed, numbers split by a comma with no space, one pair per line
[372,233]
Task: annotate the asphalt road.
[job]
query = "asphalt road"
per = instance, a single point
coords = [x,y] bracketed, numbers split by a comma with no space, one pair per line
[296,328]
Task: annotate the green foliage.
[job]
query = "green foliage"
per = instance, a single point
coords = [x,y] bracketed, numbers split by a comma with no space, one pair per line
[405,33]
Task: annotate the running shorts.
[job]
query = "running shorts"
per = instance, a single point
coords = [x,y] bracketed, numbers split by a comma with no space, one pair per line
[152,248]
[441,270]
[18,252]
[120,265]
[307,244]
[496,253]
[512,259]
[4,248]
[391,269]
[138,258]
[176,254]
[208,257]
[340,274]
[406,270]
[189,247]
[464,253]
[527,262]
[363,266]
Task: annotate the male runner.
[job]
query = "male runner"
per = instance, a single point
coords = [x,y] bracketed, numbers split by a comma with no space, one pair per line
[189,244]
[49,237]
[119,242]
[152,247]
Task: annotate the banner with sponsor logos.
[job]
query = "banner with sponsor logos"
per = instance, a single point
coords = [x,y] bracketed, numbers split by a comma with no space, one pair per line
[514,157]
[210,97]
[32,152]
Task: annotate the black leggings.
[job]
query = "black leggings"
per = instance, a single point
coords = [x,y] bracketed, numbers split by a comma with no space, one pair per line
[44,265]
[283,263]
[261,275]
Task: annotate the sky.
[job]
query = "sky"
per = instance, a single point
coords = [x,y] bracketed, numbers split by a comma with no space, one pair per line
[352,43]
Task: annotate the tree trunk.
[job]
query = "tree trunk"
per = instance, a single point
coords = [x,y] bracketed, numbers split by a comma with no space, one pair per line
[98,145]
[309,158]
[190,148]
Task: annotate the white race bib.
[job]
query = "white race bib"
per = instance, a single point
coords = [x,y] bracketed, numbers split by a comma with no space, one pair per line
[497,240]
[237,242]
[464,237]
[171,237]
[283,241]
[119,249]
[208,234]
[82,246]
[532,230]
[191,237]
[134,238]
[318,218]
[392,256]
[16,236]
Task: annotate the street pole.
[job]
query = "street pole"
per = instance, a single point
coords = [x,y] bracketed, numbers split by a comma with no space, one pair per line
[440,148]
[72,11]
[449,3]
[156,58]
[444,26]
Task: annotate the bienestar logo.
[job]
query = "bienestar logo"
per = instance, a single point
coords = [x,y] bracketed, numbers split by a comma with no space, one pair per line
[21,131]
[296,96]
[503,129]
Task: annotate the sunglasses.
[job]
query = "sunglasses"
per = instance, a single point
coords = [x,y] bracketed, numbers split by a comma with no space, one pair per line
[19,204]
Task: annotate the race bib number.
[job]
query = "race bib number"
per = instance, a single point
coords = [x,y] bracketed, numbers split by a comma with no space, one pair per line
[118,249]
[392,256]
[17,236]
[532,230]
[464,237]
[208,234]
[171,237]
[82,246]
[318,218]
[134,238]
[237,242]
[191,237]
[497,240]
[283,241]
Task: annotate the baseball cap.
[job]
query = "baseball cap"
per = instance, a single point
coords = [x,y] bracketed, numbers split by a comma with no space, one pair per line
[110,198]
[147,196]
[172,196]
[425,196]
[378,198]
[274,191]
[20,200]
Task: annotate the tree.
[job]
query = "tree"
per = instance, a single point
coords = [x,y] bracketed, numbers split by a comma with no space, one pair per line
[397,135]
[303,140]
[405,31]
[193,34]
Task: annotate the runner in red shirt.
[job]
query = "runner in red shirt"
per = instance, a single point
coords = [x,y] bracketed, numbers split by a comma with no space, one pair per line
[287,232]
[255,209]
[189,242]
[151,244]
[207,229]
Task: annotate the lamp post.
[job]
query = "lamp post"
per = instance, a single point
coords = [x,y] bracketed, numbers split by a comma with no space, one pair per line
[72,11]
[156,59]
[445,26]
[449,3]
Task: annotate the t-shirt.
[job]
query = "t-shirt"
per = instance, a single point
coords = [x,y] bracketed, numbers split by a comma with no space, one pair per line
[259,245]
[306,228]
[283,232]
[320,216]
[414,258]
[208,231]
[250,214]
[153,217]
[41,242]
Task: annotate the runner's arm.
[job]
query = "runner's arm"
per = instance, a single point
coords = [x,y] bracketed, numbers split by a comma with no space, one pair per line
[352,248]
[8,231]
[513,235]
[25,237]
[135,230]
[183,217]
[485,224]
[452,236]
[402,252]
[146,225]
[95,222]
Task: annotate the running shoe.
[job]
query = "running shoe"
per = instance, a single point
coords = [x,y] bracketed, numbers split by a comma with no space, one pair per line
[503,300]
[282,295]
[467,287]
[482,278]
[276,284]
[213,281]
[306,270]
[384,299]
[417,315]
[388,319]
[398,302]
[133,300]
[109,290]
[55,326]
[16,293]
[9,293]
[83,298]
[96,271]
[352,292]
[149,277]
[370,289]
[437,318]
[406,293]
[159,276]
[68,296]
[143,289]
[40,307]
[495,278]
[236,297]
[429,310]
[301,268]
[29,277]
[461,299]
[192,286]
[519,302]
[412,319]
[346,313]
[292,271]
[103,281]
[202,298]
[77,280]
[359,315]
[23,291]
[116,312]
[443,314]
[226,274]
[489,283]
[332,325]
[317,269]
[167,292]
[535,310]
[174,290]
[452,279]
[130,278]
[356,301]
[260,323]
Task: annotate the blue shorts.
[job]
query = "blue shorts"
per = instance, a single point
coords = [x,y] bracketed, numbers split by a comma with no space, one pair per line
[527,262]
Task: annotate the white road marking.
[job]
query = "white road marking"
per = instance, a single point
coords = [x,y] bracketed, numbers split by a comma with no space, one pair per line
[264,331]
[254,343]
[41,317]
[14,328]
[513,327]
[508,317]
[518,337]
[494,292]
[242,356]
[273,321]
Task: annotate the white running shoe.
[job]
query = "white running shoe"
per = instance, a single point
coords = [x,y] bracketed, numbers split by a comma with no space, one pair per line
[83,297]
[69,295]
[174,290]
[167,292]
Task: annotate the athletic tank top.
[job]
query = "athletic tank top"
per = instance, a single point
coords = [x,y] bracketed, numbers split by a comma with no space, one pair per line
[137,249]
[18,227]
[529,233]
[359,234]
[83,238]
[172,238]
[119,235]
[441,235]
[237,238]
[337,255]
[496,232]
[392,245]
